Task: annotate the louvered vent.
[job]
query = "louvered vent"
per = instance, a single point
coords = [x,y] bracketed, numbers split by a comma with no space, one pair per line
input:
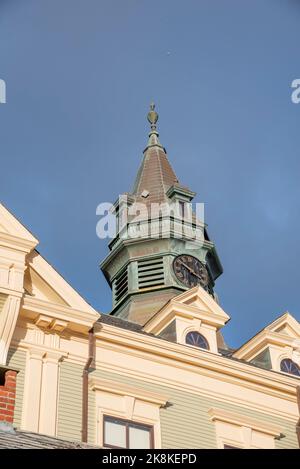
[151,272]
[121,285]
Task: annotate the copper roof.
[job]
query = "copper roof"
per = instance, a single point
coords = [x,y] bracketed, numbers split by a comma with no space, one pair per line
[155,175]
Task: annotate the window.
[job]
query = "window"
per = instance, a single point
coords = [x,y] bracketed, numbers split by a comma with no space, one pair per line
[263,359]
[235,431]
[182,209]
[288,366]
[197,340]
[119,433]
[169,333]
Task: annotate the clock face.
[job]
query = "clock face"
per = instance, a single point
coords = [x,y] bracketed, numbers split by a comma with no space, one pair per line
[190,271]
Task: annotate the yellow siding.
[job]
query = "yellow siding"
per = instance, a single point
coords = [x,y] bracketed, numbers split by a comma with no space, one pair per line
[17,360]
[185,424]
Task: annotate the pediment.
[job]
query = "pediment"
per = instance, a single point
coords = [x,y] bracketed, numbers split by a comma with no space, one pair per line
[3,229]
[37,287]
[43,296]
[286,325]
[44,283]
[199,299]
[10,225]
[194,304]
[284,331]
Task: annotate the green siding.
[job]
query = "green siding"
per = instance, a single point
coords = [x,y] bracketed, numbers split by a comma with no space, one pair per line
[17,360]
[92,422]
[185,424]
[69,404]
[69,401]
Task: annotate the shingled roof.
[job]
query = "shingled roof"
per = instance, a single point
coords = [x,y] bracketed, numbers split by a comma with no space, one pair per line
[155,175]
[15,439]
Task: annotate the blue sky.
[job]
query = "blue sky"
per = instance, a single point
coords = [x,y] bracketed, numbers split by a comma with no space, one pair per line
[80,75]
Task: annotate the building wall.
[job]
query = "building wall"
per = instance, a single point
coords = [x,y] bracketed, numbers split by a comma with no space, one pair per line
[17,360]
[69,410]
[69,401]
[185,424]
[2,300]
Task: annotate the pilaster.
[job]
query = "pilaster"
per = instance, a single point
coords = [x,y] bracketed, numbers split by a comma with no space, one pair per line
[32,389]
[41,391]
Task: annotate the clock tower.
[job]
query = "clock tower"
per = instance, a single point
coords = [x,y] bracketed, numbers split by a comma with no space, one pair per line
[162,247]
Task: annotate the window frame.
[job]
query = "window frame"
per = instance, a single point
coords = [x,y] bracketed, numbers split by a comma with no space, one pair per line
[285,359]
[230,446]
[243,432]
[182,210]
[128,423]
[193,331]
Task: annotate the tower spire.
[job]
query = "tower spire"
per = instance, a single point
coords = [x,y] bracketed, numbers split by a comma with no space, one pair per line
[155,175]
[141,271]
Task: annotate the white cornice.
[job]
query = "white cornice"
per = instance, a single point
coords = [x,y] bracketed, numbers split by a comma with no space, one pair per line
[189,387]
[244,421]
[11,292]
[97,384]
[19,244]
[220,367]
[72,318]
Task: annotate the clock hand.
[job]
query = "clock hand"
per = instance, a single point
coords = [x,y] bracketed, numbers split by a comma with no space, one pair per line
[190,269]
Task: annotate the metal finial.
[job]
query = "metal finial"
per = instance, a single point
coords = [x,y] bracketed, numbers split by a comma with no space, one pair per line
[152,116]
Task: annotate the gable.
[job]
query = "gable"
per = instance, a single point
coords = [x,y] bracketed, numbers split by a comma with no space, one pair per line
[10,225]
[36,286]
[286,325]
[283,332]
[41,280]
[45,283]
[286,330]
[198,298]
[194,304]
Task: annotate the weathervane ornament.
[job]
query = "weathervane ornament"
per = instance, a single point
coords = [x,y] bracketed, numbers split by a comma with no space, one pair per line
[152,117]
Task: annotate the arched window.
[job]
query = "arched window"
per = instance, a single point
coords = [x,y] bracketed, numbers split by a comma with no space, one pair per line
[197,340]
[288,366]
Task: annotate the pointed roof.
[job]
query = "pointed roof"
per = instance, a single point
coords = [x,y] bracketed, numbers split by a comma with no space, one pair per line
[283,332]
[42,282]
[12,230]
[194,303]
[155,175]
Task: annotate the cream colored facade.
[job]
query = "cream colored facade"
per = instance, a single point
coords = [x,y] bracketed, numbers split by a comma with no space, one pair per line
[192,398]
